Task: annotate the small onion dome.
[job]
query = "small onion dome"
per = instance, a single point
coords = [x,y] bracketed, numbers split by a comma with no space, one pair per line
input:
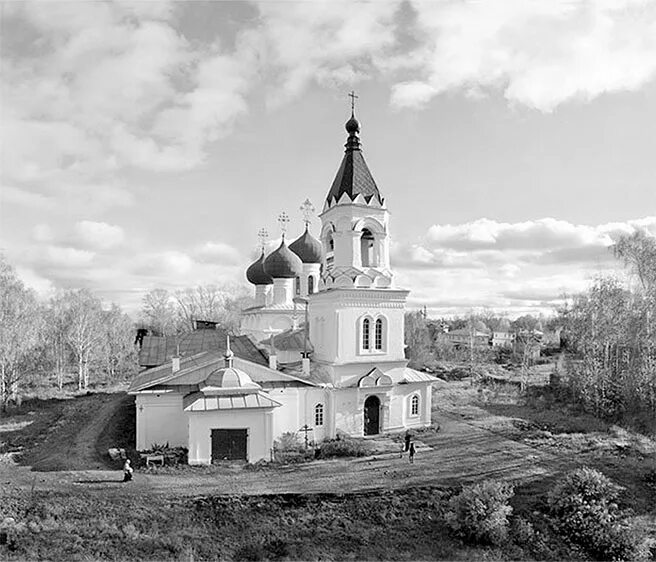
[352,125]
[256,274]
[228,377]
[307,247]
[283,263]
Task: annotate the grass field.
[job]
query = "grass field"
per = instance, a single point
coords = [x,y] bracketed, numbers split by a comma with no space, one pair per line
[68,503]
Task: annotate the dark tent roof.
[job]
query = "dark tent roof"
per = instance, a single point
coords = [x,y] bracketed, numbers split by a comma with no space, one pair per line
[353,176]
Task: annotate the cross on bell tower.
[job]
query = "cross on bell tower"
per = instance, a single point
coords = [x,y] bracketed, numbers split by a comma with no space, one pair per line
[353,98]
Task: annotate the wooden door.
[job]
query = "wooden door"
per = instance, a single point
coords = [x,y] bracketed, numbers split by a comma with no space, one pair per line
[372,415]
[229,445]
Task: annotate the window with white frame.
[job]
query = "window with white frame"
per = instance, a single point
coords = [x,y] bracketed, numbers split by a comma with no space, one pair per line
[414,405]
[366,334]
[310,285]
[318,414]
[378,334]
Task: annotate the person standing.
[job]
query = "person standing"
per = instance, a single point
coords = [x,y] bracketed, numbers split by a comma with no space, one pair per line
[411,456]
[407,441]
[127,471]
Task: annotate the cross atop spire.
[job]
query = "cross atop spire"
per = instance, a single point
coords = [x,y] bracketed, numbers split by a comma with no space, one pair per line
[283,221]
[353,98]
[307,208]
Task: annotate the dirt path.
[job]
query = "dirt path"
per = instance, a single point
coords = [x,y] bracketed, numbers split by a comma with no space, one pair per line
[459,453]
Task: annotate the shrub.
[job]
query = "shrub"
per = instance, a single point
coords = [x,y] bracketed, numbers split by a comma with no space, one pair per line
[479,514]
[288,442]
[584,510]
[344,447]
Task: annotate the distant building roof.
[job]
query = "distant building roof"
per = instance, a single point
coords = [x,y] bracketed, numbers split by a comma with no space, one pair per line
[157,350]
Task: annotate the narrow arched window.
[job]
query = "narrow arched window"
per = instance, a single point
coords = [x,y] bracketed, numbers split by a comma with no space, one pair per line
[414,406]
[310,285]
[318,414]
[378,337]
[365,333]
[297,285]
[367,248]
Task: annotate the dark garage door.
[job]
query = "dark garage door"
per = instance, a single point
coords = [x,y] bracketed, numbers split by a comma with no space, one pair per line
[229,445]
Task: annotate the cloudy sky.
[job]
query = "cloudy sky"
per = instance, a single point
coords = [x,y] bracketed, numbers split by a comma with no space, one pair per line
[145,143]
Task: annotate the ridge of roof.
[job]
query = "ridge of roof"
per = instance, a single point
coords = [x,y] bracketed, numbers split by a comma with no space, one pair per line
[164,374]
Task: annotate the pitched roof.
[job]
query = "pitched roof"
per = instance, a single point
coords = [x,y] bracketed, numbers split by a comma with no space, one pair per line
[198,402]
[157,350]
[195,370]
[289,340]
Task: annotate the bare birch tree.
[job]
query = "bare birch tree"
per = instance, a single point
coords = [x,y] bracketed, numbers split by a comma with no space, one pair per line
[20,331]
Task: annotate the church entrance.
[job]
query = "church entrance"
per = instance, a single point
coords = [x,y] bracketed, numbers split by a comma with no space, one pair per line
[229,445]
[372,415]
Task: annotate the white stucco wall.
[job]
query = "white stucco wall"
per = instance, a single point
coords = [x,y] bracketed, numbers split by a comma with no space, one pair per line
[258,422]
[160,419]
[297,410]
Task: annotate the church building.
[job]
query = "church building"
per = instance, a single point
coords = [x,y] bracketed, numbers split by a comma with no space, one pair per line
[335,297]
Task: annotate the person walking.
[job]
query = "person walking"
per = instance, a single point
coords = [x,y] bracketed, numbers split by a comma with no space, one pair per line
[411,456]
[407,441]
[127,471]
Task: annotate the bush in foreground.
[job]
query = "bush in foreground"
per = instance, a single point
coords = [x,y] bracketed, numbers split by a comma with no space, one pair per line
[344,447]
[479,514]
[584,510]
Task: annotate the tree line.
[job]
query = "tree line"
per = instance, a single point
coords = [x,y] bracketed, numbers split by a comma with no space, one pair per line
[42,342]
[611,338]
[169,313]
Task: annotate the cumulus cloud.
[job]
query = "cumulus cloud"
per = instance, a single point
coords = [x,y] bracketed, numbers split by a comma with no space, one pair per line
[510,266]
[540,54]
[219,253]
[99,235]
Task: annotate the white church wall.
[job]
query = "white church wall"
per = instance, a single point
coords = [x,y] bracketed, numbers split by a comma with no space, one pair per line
[285,418]
[161,420]
[257,422]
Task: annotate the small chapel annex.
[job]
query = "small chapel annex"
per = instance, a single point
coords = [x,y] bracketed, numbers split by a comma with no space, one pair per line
[336,298]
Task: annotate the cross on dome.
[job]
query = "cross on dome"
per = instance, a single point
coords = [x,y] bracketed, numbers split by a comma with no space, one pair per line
[263,236]
[283,221]
[307,208]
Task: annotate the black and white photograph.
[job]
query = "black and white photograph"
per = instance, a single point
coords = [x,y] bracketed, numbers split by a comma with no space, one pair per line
[337,280]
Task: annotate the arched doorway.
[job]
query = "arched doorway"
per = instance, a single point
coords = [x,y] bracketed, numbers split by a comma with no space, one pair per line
[372,415]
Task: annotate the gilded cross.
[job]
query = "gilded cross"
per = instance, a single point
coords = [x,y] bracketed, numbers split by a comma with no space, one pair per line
[307,208]
[353,98]
[263,236]
[283,221]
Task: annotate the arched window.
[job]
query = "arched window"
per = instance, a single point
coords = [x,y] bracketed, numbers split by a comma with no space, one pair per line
[310,285]
[297,285]
[378,336]
[366,325]
[330,253]
[414,406]
[318,414]
[367,248]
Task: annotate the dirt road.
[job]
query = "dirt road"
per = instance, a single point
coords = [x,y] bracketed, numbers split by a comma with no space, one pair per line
[459,453]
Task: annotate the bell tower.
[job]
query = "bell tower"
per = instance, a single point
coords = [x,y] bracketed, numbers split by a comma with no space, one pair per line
[357,317]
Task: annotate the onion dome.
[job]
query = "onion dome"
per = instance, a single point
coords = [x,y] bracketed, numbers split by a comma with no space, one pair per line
[283,263]
[307,247]
[256,274]
[352,125]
